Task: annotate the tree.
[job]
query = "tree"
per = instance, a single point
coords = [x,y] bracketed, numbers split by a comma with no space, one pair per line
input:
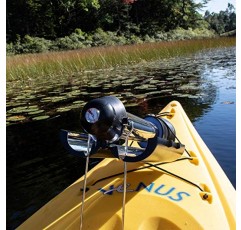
[222,22]
[48,18]
[166,15]
[51,19]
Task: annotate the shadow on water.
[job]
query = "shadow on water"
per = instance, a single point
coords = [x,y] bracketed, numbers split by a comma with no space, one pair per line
[38,167]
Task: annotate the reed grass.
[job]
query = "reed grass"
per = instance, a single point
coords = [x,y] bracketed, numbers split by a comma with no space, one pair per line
[36,67]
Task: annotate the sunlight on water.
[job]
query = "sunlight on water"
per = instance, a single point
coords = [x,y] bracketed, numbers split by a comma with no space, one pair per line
[38,167]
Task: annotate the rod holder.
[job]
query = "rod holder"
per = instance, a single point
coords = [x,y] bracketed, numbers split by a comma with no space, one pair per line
[106,119]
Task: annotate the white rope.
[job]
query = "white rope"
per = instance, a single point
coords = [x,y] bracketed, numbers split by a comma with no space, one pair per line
[125,178]
[85,181]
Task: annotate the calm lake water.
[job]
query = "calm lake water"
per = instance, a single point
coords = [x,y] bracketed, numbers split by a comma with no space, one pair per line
[39,168]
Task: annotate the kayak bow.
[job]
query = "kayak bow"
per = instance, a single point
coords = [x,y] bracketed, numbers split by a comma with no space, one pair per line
[177,184]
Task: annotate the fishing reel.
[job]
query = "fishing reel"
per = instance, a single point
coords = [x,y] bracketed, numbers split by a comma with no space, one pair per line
[111,132]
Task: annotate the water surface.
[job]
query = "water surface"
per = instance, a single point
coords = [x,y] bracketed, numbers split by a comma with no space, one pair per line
[38,167]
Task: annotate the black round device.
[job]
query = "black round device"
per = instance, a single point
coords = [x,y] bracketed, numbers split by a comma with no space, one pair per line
[164,127]
[104,117]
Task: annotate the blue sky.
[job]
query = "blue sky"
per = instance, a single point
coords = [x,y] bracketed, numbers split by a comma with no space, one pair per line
[218,5]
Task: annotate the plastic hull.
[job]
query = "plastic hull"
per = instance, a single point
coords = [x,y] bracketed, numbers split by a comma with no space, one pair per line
[185,194]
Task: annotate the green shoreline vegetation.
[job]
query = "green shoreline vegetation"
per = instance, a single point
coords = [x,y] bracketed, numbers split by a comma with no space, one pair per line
[60,53]
[44,85]
[58,39]
[33,68]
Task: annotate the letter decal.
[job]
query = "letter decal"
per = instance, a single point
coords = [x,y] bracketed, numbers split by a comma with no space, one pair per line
[179,196]
[147,188]
[108,192]
[162,190]
[120,188]
[157,191]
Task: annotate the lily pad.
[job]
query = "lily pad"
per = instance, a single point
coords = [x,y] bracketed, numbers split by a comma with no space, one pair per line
[75,93]
[40,118]
[22,97]
[29,110]
[16,118]
[167,91]
[141,87]
[127,84]
[154,81]
[193,96]
[17,110]
[154,93]
[140,96]
[58,99]
[75,87]
[15,104]
[46,99]
[189,87]
[63,109]
[79,102]
[184,95]
[85,93]
[32,106]
[36,112]
[31,97]
[53,99]
[128,95]
[169,78]
[131,105]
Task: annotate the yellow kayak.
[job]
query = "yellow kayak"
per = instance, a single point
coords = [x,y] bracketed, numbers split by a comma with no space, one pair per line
[187,190]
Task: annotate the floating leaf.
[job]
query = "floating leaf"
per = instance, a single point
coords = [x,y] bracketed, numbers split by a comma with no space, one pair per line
[176,82]
[32,106]
[140,96]
[30,97]
[127,95]
[94,94]
[131,105]
[20,97]
[141,87]
[58,99]
[153,93]
[63,109]
[40,118]
[78,102]
[15,104]
[154,82]
[75,87]
[188,87]
[17,110]
[35,112]
[76,93]
[127,84]
[16,118]
[85,93]
[167,91]
[184,95]
[46,99]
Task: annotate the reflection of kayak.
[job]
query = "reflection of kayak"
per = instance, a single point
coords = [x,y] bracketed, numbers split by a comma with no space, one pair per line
[191,192]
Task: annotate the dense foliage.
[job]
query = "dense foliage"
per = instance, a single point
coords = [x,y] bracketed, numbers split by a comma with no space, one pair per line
[46,25]
[222,22]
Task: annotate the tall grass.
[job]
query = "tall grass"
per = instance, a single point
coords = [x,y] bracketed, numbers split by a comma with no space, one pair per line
[34,67]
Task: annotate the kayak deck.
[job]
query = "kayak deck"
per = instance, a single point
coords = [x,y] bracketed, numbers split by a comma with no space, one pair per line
[192,192]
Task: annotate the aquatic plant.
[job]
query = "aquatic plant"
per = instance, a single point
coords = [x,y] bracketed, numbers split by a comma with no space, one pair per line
[178,77]
[32,69]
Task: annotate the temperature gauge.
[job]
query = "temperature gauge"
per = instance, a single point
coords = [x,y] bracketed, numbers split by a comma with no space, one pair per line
[92,115]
